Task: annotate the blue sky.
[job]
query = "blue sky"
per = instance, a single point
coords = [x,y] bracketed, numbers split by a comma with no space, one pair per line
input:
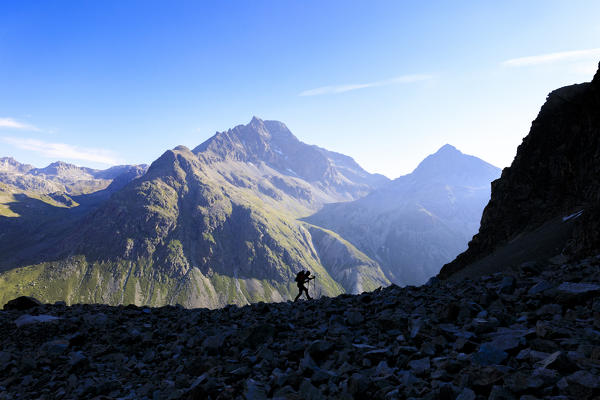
[387,82]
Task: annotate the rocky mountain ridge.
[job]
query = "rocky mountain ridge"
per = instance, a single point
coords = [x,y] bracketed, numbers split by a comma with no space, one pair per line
[554,175]
[272,143]
[59,177]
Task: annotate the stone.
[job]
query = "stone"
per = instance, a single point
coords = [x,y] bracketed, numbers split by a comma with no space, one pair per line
[508,341]
[558,361]
[499,393]
[577,291]
[27,319]
[358,383]
[489,355]
[22,303]
[466,394]
[421,366]
[255,390]
[213,343]
[549,309]
[585,379]
[55,348]
[354,317]
[320,348]
[539,287]
[507,285]
[78,360]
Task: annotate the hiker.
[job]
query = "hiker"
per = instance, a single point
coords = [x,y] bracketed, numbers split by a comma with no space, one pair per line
[301,278]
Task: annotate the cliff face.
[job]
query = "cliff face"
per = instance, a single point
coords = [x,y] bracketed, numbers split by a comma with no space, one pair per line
[556,172]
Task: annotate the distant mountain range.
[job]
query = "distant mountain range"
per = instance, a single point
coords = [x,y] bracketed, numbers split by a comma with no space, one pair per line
[232,221]
[60,177]
[420,221]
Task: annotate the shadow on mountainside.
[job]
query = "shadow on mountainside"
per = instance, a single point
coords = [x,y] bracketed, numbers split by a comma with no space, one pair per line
[33,234]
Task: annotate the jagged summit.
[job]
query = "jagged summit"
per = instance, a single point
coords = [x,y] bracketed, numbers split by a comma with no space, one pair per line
[271,143]
[9,164]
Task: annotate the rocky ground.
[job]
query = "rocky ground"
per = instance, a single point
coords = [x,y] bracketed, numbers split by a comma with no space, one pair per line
[534,334]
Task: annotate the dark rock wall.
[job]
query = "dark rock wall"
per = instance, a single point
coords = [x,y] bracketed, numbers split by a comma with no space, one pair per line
[556,171]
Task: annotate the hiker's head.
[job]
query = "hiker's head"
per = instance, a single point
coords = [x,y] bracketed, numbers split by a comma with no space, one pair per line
[307,273]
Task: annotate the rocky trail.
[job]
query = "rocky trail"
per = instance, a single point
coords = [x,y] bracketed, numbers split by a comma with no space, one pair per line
[534,333]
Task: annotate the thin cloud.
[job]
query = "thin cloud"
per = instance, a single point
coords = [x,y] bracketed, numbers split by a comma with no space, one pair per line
[553,58]
[355,86]
[63,151]
[9,123]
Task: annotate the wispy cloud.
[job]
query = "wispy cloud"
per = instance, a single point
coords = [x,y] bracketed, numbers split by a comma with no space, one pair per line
[553,58]
[10,123]
[63,151]
[356,86]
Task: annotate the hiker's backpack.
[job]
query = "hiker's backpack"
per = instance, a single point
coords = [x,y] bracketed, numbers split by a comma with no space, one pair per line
[299,276]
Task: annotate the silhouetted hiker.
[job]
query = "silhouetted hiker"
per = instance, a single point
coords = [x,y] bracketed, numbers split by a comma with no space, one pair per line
[301,278]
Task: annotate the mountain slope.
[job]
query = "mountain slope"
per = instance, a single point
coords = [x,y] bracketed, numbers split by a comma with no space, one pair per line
[419,221]
[214,226]
[33,221]
[555,174]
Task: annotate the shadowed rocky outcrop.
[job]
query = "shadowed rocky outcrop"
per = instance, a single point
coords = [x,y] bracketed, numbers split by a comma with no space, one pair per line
[555,174]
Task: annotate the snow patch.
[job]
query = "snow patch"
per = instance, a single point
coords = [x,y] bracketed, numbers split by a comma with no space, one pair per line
[292,171]
[573,216]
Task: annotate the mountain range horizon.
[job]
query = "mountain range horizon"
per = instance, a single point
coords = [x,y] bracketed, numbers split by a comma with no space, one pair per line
[233,220]
[6,159]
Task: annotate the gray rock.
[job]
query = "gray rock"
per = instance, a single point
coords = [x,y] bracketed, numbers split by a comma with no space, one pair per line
[55,348]
[354,317]
[22,303]
[489,355]
[320,348]
[584,378]
[358,383]
[571,290]
[466,394]
[255,390]
[499,393]
[309,392]
[539,287]
[507,285]
[508,341]
[27,319]
[421,366]
[213,343]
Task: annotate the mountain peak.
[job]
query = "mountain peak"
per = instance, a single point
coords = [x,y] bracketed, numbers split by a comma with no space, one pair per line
[450,164]
[9,164]
[256,123]
[448,148]
[596,79]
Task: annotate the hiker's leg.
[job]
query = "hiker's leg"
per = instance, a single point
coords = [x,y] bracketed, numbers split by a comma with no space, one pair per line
[307,295]
[299,294]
